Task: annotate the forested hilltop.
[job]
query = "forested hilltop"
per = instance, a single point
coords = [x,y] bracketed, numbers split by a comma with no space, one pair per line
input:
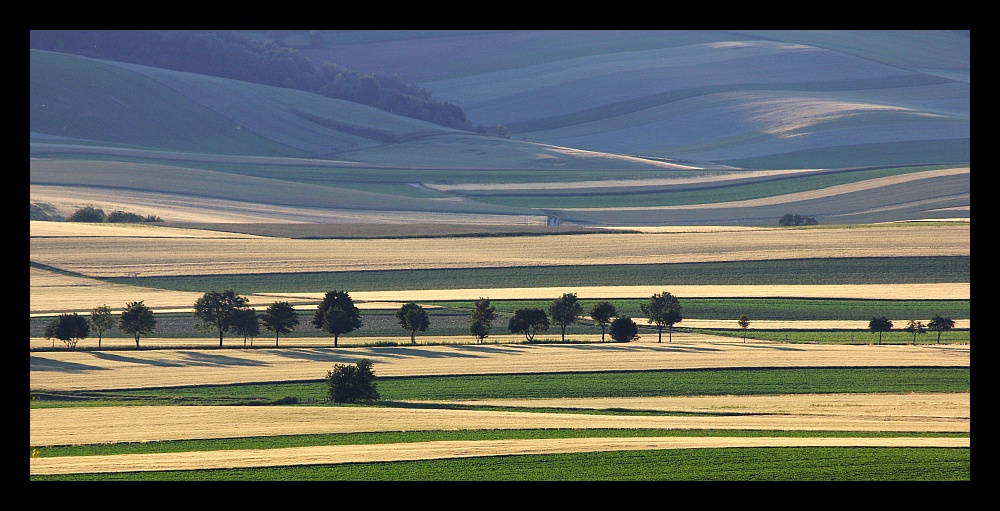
[228,54]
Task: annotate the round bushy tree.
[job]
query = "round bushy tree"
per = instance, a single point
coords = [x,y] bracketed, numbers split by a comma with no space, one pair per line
[352,384]
[623,329]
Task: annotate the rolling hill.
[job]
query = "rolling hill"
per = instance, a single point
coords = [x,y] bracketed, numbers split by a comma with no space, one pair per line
[605,128]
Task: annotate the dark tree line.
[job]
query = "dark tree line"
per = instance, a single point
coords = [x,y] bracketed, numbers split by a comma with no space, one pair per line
[228,54]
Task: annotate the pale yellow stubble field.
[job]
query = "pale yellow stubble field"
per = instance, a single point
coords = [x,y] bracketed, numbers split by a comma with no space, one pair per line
[115,256]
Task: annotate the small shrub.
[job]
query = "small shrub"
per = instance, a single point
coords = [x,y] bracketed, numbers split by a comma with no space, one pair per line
[87,214]
[352,384]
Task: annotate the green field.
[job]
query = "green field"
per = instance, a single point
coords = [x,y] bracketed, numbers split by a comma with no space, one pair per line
[876,270]
[735,464]
[554,385]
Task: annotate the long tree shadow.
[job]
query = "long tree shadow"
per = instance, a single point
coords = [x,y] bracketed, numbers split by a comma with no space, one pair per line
[199,358]
[47,364]
[106,355]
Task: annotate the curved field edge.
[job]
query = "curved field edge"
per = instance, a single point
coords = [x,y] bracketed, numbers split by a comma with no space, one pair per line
[688,464]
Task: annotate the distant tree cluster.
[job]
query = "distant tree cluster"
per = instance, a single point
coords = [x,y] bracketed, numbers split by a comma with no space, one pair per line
[228,54]
[789,220]
[96,215]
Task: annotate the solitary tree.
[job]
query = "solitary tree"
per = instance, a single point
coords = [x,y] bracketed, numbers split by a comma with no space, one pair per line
[564,311]
[137,319]
[879,324]
[245,323]
[69,328]
[102,321]
[217,310]
[602,312]
[280,318]
[662,309]
[915,327]
[483,316]
[744,322]
[623,329]
[413,318]
[939,324]
[528,322]
[337,315]
[352,384]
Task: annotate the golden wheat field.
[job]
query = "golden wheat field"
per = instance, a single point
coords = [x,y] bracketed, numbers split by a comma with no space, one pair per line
[100,251]
[120,256]
[915,412]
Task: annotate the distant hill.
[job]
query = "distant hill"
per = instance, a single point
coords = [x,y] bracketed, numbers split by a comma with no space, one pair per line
[763,99]
[597,124]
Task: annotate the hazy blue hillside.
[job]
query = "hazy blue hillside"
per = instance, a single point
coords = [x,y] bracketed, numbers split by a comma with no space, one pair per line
[753,98]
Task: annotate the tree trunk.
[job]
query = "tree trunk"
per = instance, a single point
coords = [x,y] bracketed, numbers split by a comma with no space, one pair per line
[276,339]
[602,332]
[220,337]
[334,340]
[413,336]
[659,334]
[136,341]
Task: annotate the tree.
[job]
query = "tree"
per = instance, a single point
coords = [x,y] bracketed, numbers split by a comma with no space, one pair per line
[564,311]
[217,310]
[137,319]
[68,328]
[602,312]
[915,327]
[280,318]
[413,319]
[939,324]
[623,329]
[102,321]
[662,309]
[528,322]
[352,384]
[744,322]
[879,324]
[87,214]
[337,315]
[483,316]
[245,323]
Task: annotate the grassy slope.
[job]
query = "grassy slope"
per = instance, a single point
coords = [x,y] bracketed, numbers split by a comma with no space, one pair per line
[704,115]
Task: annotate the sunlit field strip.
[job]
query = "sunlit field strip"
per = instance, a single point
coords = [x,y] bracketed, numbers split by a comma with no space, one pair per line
[83,370]
[118,257]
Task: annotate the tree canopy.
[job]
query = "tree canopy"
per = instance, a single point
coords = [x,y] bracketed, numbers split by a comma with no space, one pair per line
[564,311]
[483,315]
[217,310]
[337,315]
[528,321]
[102,321]
[280,318]
[744,322]
[624,329]
[413,318]
[352,384]
[879,324]
[662,309]
[939,324]
[602,312]
[915,327]
[68,328]
[137,320]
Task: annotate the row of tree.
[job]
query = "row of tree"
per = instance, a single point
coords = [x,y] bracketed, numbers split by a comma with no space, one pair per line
[227,311]
[937,324]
